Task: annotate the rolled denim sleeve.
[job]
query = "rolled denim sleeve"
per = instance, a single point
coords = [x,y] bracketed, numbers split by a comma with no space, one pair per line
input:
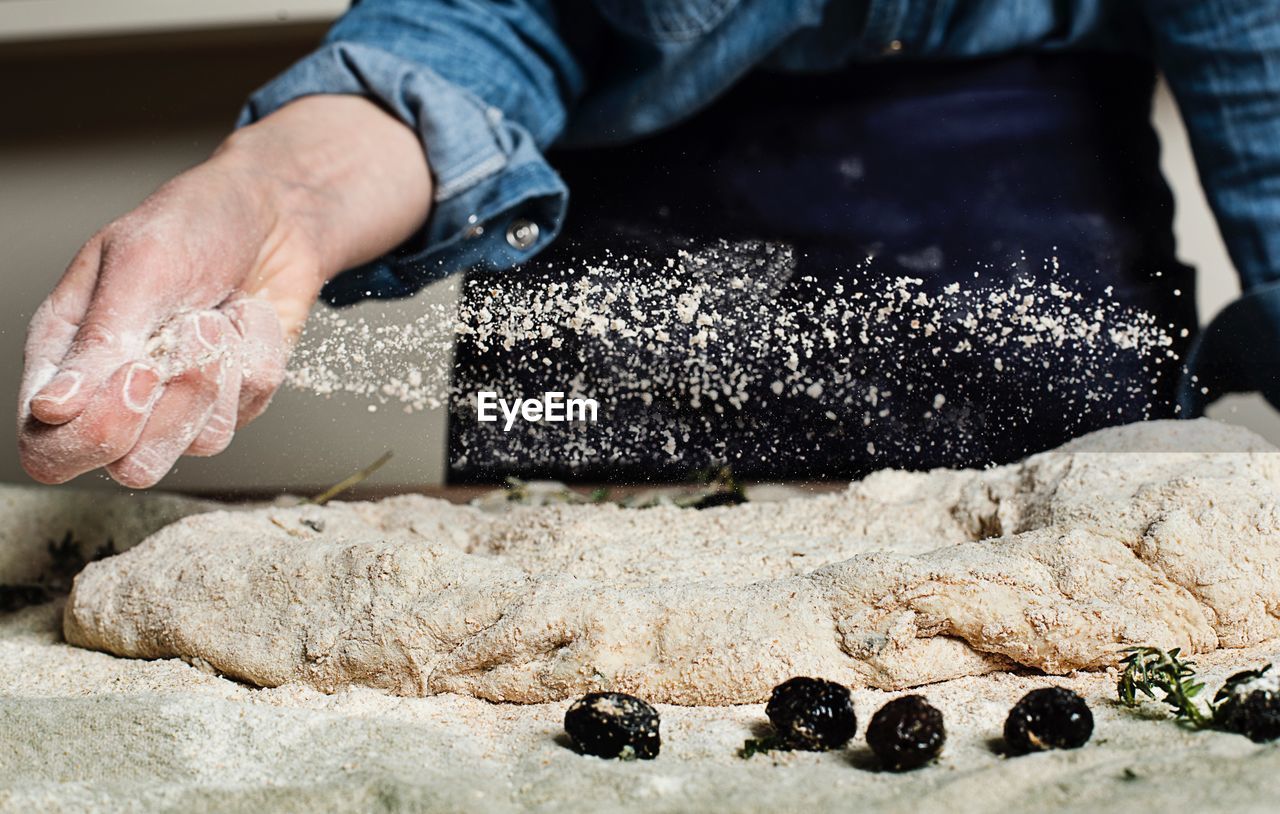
[487,86]
[1222,61]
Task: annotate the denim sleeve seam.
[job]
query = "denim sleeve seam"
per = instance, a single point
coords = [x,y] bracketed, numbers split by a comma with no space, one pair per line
[492,160]
[471,177]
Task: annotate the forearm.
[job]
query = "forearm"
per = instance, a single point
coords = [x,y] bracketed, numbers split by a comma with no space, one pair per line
[485,87]
[335,172]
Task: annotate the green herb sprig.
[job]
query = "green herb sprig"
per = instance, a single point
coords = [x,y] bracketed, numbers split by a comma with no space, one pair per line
[1148,670]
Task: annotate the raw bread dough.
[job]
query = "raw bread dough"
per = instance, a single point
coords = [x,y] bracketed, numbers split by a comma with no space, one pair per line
[1163,533]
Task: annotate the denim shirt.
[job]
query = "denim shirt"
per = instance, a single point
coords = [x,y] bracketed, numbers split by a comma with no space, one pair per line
[489,86]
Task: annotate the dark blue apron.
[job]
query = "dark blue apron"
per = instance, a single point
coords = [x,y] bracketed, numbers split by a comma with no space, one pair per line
[1034,173]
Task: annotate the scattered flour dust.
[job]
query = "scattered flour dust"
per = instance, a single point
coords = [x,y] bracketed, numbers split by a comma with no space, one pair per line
[707,328]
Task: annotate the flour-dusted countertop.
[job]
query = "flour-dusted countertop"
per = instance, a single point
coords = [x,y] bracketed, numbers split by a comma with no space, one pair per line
[88,731]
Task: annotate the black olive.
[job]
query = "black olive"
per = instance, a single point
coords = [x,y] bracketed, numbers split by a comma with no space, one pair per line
[613,724]
[1048,718]
[1250,711]
[812,714]
[907,732]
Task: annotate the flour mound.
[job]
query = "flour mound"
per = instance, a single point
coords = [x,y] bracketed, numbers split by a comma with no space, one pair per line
[1057,563]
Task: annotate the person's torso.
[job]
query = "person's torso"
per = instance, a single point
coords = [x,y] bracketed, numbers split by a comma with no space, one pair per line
[655,62]
[897,265]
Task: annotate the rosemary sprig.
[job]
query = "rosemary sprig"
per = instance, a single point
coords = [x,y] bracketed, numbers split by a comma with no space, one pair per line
[349,481]
[1150,669]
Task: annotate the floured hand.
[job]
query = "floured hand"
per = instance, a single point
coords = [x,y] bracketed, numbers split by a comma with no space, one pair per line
[172,326]
[163,336]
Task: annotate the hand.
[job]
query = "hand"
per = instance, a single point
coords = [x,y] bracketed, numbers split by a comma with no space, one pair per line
[172,326]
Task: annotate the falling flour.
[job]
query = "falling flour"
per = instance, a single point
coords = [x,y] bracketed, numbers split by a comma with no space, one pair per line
[693,339]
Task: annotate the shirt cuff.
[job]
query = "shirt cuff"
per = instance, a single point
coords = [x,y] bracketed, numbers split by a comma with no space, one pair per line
[497,202]
[1238,352]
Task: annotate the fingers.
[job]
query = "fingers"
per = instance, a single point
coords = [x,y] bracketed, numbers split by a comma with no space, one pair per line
[206,373]
[107,429]
[114,314]
[221,426]
[82,437]
[252,353]
[263,353]
[98,390]
[202,352]
[96,353]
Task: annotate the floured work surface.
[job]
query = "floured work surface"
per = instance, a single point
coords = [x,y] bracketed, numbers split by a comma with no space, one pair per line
[86,731]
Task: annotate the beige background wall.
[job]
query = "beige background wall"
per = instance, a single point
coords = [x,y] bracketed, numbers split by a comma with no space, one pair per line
[87,129]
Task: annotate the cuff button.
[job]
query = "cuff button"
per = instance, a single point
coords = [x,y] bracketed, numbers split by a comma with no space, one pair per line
[522,234]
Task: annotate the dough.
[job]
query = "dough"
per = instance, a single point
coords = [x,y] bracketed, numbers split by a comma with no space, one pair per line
[1162,533]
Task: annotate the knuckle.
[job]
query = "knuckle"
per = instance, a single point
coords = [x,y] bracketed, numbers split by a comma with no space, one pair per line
[219,429]
[130,238]
[58,308]
[44,324]
[50,323]
[94,337]
[146,257]
[46,311]
[87,257]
